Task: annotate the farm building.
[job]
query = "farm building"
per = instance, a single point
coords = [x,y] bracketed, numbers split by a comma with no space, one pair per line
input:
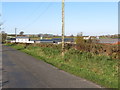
[66,40]
[109,41]
[44,41]
[55,40]
[22,39]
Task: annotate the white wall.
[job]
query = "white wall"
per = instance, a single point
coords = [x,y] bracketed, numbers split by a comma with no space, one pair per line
[22,40]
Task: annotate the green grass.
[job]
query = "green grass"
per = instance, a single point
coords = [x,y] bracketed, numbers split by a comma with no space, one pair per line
[97,68]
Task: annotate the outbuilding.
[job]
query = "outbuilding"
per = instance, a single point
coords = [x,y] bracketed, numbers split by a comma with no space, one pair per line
[22,39]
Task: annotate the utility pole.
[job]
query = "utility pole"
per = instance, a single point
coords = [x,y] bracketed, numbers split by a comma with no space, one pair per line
[63,27]
[15,34]
[1,23]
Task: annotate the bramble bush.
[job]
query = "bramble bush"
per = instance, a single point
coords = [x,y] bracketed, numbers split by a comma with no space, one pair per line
[94,47]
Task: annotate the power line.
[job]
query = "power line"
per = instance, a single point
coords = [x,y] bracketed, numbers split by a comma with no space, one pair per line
[37,18]
[33,12]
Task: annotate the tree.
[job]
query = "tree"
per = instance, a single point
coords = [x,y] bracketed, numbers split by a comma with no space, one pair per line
[80,43]
[71,35]
[21,33]
[4,36]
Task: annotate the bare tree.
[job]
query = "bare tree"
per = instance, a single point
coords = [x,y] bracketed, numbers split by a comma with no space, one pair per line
[4,36]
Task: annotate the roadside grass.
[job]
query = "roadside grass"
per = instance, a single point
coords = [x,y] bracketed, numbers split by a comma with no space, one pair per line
[99,69]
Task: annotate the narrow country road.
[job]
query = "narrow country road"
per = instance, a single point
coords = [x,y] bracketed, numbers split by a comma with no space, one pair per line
[23,71]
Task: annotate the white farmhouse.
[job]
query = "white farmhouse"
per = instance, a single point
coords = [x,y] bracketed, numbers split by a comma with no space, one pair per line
[22,39]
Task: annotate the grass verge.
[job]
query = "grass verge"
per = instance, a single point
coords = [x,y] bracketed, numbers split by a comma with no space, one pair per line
[100,69]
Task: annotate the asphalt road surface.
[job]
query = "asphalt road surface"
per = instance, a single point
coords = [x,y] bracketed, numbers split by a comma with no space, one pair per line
[23,71]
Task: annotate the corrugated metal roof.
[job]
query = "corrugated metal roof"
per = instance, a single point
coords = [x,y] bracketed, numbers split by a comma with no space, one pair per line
[56,40]
[109,40]
[21,37]
[60,39]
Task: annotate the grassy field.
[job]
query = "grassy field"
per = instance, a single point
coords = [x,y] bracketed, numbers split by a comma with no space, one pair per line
[97,68]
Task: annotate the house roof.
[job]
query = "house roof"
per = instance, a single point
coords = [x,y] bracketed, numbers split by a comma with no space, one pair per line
[55,40]
[60,39]
[44,40]
[108,40]
[22,37]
